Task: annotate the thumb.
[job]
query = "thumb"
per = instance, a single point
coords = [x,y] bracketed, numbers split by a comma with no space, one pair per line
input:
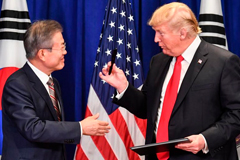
[96,116]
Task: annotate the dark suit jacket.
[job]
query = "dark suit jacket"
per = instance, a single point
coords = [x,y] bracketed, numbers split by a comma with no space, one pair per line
[208,102]
[31,130]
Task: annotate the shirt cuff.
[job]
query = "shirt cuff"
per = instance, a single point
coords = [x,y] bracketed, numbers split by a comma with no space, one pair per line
[205,150]
[119,95]
[80,130]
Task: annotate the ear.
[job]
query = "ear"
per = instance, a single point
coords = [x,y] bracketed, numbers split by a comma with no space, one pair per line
[183,33]
[41,54]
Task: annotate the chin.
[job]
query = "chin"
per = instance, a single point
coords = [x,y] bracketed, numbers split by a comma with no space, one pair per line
[60,66]
[167,52]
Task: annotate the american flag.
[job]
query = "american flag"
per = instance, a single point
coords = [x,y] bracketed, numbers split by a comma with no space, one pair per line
[118,31]
[13,24]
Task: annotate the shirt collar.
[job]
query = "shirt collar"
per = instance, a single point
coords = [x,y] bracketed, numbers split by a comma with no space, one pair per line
[41,75]
[191,50]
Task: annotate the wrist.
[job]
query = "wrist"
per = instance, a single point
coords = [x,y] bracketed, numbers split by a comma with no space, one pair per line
[123,87]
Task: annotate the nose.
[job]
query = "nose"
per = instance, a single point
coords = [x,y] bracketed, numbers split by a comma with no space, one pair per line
[156,38]
[65,52]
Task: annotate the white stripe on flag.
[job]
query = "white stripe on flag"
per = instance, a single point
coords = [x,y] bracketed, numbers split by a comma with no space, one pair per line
[15,19]
[211,23]
[13,30]
[112,137]
[211,34]
[92,153]
[12,53]
[18,5]
[211,6]
[135,133]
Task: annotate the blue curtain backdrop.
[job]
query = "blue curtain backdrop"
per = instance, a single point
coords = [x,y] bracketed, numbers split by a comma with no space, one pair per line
[82,22]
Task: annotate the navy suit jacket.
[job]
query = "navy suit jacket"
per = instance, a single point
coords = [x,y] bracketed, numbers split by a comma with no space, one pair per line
[208,102]
[31,130]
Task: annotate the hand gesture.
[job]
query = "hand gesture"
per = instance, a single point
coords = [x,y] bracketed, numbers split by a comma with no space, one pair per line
[92,126]
[117,78]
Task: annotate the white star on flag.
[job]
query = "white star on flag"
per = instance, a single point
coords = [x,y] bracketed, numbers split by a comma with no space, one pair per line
[108,52]
[103,81]
[135,76]
[123,14]
[105,65]
[137,62]
[121,27]
[98,50]
[114,10]
[120,41]
[118,55]
[127,72]
[96,64]
[129,45]
[129,31]
[137,49]
[112,24]
[110,38]
[130,18]
[128,59]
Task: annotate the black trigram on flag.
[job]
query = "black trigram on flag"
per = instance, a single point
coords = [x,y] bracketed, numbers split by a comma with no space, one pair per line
[211,23]
[14,19]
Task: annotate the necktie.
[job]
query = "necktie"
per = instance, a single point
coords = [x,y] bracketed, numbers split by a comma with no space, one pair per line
[53,97]
[167,107]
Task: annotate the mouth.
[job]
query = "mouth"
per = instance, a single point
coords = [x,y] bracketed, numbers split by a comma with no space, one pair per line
[163,47]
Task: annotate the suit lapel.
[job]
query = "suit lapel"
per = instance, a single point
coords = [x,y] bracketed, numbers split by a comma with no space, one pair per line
[39,87]
[194,69]
[161,71]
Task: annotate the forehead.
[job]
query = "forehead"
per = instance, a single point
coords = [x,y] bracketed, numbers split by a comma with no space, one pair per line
[161,27]
[57,38]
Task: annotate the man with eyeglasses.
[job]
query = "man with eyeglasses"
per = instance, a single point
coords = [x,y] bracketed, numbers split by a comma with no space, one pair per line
[33,115]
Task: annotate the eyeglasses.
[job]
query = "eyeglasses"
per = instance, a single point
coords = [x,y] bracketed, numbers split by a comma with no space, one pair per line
[62,49]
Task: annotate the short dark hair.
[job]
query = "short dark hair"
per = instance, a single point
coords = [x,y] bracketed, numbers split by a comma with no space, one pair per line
[39,35]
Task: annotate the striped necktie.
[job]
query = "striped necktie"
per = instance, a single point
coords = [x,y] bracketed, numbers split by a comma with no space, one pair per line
[168,104]
[53,97]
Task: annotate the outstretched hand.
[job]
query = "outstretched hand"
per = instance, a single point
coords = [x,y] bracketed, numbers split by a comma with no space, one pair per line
[116,79]
[92,126]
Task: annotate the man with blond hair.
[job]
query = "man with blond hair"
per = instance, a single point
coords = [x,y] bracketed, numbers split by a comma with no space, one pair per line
[192,90]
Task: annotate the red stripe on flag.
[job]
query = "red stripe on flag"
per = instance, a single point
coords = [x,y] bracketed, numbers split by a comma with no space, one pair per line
[4,74]
[80,155]
[122,129]
[142,123]
[101,143]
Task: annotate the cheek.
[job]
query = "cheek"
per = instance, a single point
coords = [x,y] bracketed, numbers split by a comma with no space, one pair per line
[53,60]
[170,43]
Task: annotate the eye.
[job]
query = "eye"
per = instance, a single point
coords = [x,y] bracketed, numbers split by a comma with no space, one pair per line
[161,33]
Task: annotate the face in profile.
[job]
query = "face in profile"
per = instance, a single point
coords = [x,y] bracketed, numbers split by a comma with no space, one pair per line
[54,59]
[168,40]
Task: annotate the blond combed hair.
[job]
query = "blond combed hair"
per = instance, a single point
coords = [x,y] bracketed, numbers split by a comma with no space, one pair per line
[177,15]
